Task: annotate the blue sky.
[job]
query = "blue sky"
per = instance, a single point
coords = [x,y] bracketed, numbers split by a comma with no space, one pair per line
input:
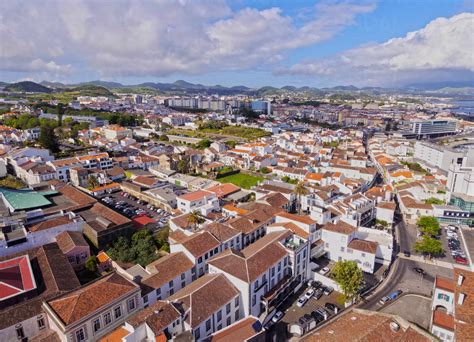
[253,43]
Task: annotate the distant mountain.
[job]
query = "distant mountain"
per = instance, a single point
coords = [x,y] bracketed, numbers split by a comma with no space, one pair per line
[440,85]
[53,84]
[27,87]
[104,84]
[92,90]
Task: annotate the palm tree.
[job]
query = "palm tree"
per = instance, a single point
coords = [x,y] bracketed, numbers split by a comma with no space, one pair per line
[194,219]
[300,190]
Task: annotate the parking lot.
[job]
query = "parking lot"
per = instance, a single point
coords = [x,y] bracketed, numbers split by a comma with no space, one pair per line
[131,207]
[452,242]
[292,312]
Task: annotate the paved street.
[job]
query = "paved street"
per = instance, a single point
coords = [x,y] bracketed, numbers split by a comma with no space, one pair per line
[414,308]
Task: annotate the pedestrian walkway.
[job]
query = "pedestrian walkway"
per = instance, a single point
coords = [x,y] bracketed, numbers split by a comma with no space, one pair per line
[434,262]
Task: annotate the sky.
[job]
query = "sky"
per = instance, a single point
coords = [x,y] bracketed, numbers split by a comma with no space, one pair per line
[321,43]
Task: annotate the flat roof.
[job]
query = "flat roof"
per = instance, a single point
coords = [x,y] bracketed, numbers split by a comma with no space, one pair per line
[26,199]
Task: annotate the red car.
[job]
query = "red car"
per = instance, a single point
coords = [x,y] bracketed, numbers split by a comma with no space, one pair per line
[461,260]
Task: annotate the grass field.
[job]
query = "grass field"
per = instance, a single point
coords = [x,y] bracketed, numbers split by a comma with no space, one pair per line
[241,179]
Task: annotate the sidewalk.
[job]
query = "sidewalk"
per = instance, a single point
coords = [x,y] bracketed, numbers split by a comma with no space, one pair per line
[434,262]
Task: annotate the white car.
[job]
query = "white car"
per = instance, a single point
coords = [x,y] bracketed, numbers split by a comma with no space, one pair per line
[276,317]
[309,293]
[324,270]
[302,301]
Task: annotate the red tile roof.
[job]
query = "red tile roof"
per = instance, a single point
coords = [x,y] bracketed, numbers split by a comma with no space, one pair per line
[76,305]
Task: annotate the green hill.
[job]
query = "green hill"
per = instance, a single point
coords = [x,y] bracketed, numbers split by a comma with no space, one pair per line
[92,90]
[27,87]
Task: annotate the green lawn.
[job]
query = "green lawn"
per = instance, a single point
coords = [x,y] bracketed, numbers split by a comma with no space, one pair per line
[242,180]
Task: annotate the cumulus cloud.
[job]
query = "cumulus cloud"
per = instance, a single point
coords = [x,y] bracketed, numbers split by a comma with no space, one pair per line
[159,37]
[441,51]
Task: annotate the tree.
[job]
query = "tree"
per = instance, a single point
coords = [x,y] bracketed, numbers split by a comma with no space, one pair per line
[429,225]
[91,264]
[434,200]
[48,139]
[300,190]
[92,182]
[194,219]
[164,137]
[143,245]
[60,111]
[141,248]
[349,277]
[204,143]
[231,143]
[182,166]
[429,245]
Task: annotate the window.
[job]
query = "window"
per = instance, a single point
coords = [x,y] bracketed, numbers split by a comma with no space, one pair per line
[236,301]
[197,334]
[342,249]
[171,292]
[304,253]
[273,271]
[279,267]
[131,304]
[228,320]
[170,283]
[254,300]
[183,276]
[349,250]
[208,325]
[255,287]
[216,250]
[200,260]
[20,334]
[298,258]
[96,325]
[227,308]
[118,312]
[158,291]
[145,298]
[107,318]
[363,254]
[40,322]
[237,315]
[219,315]
[327,244]
[80,336]
[183,284]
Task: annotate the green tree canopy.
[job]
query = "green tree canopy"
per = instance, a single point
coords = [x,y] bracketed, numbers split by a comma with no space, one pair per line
[349,277]
[48,139]
[429,225]
[140,249]
[429,245]
[91,263]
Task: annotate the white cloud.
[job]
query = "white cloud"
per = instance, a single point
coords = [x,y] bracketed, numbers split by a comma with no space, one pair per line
[159,37]
[441,51]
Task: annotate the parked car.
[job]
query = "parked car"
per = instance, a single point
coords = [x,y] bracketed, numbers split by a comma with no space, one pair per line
[302,301]
[309,293]
[461,260]
[328,290]
[407,253]
[317,284]
[324,270]
[395,294]
[317,316]
[318,294]
[323,313]
[276,317]
[384,300]
[333,307]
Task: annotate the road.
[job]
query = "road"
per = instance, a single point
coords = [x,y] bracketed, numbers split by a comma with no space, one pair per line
[402,276]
